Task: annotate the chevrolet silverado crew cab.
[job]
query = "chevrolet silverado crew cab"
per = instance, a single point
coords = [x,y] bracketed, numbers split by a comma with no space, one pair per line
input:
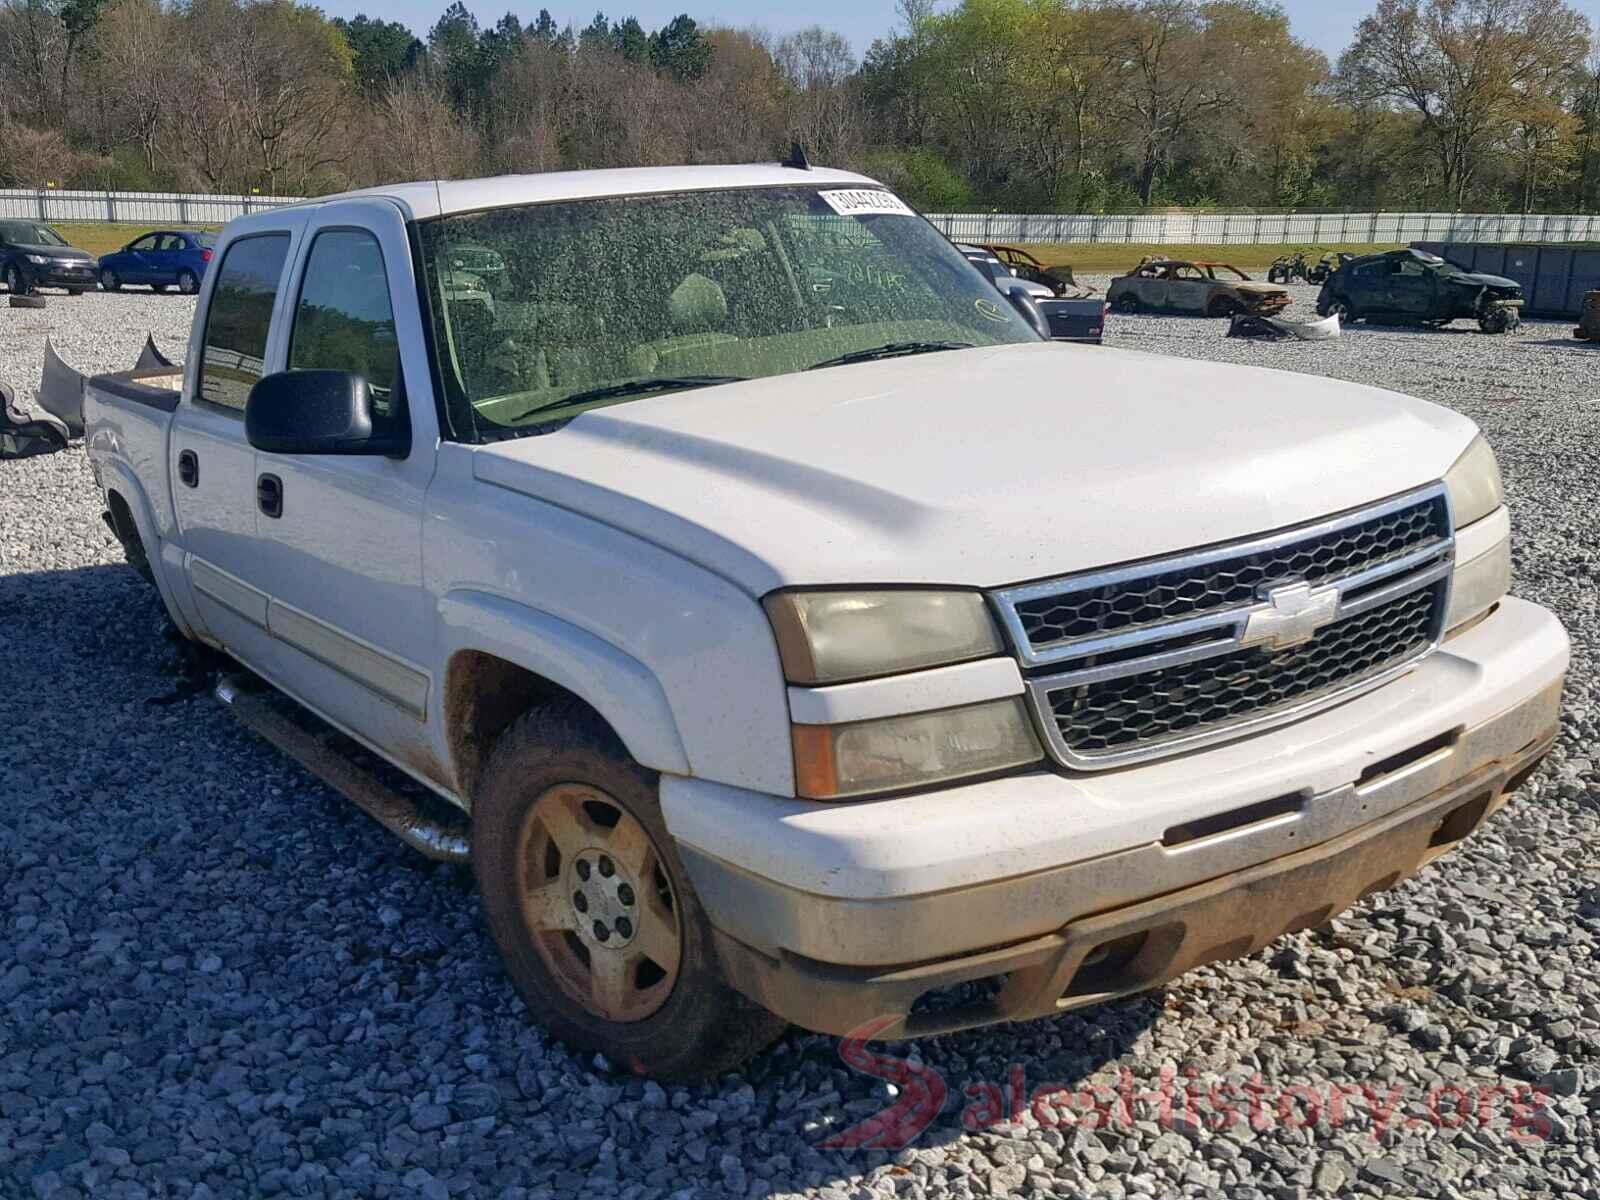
[852,656]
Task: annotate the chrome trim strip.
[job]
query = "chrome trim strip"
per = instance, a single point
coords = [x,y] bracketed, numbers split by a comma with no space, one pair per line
[1007,599]
[233,593]
[381,673]
[1381,596]
[1039,696]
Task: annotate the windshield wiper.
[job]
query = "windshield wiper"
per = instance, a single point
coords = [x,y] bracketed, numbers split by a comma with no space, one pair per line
[889,350]
[638,387]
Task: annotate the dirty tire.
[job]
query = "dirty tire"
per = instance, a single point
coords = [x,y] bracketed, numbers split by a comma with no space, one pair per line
[109,281]
[188,282]
[25,301]
[1499,321]
[703,1027]
[1127,303]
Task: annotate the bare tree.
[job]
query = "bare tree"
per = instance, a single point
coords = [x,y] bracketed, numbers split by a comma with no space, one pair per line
[1463,67]
[825,112]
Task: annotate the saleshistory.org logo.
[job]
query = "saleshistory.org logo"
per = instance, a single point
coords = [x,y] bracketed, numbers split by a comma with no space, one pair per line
[919,1094]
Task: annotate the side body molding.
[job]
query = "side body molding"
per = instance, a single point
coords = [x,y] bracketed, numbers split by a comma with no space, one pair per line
[616,684]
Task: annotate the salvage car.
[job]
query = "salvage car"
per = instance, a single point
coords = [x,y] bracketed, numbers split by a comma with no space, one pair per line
[799,656]
[1415,287]
[162,259]
[1080,318]
[33,255]
[1209,289]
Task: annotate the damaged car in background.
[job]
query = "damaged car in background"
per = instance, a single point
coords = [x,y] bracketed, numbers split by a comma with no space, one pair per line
[1401,287]
[1210,289]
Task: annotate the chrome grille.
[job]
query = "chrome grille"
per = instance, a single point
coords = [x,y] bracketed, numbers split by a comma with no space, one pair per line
[1157,657]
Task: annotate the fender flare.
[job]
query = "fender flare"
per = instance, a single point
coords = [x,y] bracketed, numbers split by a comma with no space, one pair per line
[117,476]
[614,683]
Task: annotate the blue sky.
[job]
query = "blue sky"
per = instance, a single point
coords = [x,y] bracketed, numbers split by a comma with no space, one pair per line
[1326,24]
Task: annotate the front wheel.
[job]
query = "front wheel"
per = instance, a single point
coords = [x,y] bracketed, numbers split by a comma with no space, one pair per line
[16,281]
[592,912]
[1127,303]
[1499,320]
[109,281]
[188,282]
[1223,306]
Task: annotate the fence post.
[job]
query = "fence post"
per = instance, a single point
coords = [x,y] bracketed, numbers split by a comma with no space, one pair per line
[183,209]
[111,207]
[39,199]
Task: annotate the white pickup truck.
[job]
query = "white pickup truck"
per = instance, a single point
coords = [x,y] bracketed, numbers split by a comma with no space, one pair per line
[807,639]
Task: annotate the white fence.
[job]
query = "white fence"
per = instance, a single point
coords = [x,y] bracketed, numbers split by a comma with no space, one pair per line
[1205,228]
[1213,228]
[142,208]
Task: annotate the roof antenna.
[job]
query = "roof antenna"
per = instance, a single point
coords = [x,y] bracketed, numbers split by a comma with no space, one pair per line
[797,158]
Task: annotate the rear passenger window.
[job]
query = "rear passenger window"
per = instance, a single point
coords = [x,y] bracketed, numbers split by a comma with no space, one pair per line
[233,351]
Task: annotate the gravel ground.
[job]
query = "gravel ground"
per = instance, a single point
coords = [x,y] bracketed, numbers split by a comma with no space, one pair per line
[217,979]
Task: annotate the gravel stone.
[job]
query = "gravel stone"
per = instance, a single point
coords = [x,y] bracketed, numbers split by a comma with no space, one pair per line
[218,979]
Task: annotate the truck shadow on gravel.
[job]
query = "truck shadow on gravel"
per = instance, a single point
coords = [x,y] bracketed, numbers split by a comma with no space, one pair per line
[213,968]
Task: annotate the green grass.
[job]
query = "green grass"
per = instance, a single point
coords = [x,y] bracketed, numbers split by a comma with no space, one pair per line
[1090,257]
[99,238]
[1117,257]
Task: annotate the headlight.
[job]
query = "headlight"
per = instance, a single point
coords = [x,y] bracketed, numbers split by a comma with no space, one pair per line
[1474,484]
[835,762]
[38,259]
[832,637]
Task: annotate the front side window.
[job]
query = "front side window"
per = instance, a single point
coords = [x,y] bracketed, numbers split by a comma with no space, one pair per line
[544,311]
[344,320]
[234,348]
[148,242]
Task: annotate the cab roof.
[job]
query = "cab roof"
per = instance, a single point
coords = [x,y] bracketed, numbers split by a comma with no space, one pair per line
[442,197]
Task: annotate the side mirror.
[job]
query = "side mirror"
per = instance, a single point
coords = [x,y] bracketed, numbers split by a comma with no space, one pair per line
[318,412]
[1017,292]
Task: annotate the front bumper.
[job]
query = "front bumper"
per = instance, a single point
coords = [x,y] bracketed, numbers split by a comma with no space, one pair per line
[56,275]
[840,913]
[1137,946]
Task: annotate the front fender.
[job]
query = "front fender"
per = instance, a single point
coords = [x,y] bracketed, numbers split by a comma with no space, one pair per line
[620,688]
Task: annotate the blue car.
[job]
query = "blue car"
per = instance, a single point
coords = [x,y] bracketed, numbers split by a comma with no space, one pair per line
[167,258]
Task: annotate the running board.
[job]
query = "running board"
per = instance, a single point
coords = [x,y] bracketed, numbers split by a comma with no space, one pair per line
[438,838]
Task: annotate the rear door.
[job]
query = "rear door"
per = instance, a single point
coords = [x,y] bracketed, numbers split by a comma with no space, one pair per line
[211,463]
[351,623]
[1189,289]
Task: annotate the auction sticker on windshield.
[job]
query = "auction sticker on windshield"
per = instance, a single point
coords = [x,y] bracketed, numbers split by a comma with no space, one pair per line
[855,202]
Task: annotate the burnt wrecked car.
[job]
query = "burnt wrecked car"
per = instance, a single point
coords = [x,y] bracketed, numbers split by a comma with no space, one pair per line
[1415,287]
[1210,289]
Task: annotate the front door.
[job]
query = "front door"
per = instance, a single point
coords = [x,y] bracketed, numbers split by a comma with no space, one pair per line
[342,545]
[213,467]
[140,259]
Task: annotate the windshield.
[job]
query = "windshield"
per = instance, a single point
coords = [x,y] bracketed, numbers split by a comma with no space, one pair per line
[27,233]
[544,311]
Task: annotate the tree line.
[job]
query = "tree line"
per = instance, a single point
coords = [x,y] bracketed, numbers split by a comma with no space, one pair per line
[1017,105]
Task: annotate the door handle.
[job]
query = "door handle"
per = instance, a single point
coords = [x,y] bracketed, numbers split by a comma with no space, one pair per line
[269,495]
[188,468]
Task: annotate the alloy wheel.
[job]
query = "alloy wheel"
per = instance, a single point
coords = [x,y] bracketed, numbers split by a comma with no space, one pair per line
[598,903]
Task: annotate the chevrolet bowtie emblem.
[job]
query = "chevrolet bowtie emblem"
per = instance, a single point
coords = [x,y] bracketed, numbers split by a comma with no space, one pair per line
[1291,616]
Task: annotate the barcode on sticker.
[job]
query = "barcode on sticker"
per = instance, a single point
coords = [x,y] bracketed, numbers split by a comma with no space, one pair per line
[854,202]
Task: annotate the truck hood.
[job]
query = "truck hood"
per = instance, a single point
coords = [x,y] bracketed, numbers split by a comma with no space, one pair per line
[978,467]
